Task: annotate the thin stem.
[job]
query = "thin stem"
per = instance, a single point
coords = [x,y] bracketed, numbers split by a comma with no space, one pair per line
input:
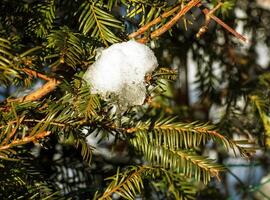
[33,73]
[224,25]
[154,22]
[173,21]
[25,140]
[39,93]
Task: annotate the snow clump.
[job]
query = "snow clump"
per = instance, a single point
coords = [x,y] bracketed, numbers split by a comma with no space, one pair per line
[119,73]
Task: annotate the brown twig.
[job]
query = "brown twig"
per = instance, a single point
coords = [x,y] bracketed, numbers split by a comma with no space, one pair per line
[154,22]
[49,86]
[224,25]
[25,140]
[33,120]
[41,92]
[204,28]
[13,131]
[36,74]
[173,21]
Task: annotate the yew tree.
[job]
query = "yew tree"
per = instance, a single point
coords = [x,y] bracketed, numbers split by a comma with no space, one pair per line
[61,140]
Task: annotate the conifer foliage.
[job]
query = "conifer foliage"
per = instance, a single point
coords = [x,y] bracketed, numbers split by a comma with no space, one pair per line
[44,150]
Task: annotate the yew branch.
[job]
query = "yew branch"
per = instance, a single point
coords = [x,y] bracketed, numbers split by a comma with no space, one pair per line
[49,86]
[33,73]
[224,25]
[13,132]
[53,83]
[39,93]
[154,22]
[173,21]
[25,140]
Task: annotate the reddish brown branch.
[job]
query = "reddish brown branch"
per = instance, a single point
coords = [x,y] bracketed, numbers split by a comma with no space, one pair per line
[173,21]
[33,73]
[204,28]
[13,131]
[224,25]
[25,140]
[154,22]
[41,92]
[49,86]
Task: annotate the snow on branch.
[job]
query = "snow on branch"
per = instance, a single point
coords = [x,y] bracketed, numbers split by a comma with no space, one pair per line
[119,72]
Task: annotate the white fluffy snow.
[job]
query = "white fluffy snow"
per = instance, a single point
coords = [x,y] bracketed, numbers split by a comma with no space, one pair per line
[119,72]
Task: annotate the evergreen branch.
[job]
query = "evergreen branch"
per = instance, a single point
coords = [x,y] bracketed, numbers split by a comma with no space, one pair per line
[179,187]
[86,149]
[147,26]
[168,25]
[42,190]
[69,47]
[39,93]
[99,26]
[44,15]
[130,182]
[204,28]
[60,124]
[6,61]
[224,25]
[45,89]
[54,123]
[173,21]
[5,55]
[182,161]
[19,134]
[163,73]
[79,143]
[25,140]
[71,50]
[93,18]
[179,135]
[36,74]
[83,105]
[10,61]
[259,105]
[125,185]
[87,104]
[10,135]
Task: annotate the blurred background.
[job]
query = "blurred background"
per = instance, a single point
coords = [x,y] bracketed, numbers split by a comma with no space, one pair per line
[218,74]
